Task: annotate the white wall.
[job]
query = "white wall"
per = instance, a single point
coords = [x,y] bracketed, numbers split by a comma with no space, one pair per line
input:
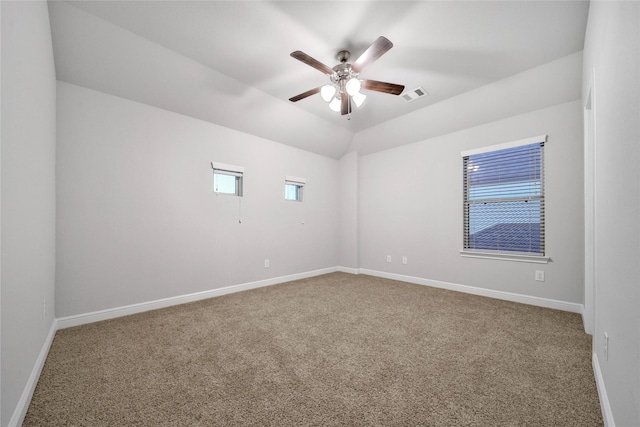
[553,83]
[411,205]
[28,199]
[199,92]
[611,55]
[138,220]
[348,206]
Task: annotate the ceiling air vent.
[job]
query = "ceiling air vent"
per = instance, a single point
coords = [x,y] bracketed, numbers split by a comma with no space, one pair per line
[414,94]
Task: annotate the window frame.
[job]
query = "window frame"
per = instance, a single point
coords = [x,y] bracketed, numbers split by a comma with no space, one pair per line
[229,170]
[299,183]
[503,254]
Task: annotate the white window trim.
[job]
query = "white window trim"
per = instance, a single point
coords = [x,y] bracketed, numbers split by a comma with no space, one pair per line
[297,181]
[500,255]
[227,168]
[289,179]
[512,144]
[504,256]
[232,170]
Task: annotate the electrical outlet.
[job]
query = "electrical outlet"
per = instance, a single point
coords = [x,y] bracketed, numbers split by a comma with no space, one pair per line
[388,258]
[404,259]
[606,346]
[266,263]
[539,275]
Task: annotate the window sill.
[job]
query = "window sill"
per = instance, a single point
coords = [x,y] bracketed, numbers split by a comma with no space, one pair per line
[505,256]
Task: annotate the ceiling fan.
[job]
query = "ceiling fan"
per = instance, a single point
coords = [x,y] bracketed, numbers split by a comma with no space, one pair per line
[344,89]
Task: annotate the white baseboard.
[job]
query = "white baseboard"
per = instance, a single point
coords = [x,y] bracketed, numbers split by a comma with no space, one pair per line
[112,313]
[96,316]
[25,399]
[508,296]
[605,406]
[347,270]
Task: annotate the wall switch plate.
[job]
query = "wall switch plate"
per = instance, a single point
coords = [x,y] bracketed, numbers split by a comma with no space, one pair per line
[266,263]
[404,259]
[388,258]
[539,275]
[606,346]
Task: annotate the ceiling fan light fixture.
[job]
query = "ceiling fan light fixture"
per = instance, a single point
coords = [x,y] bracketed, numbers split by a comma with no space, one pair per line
[353,86]
[344,90]
[334,105]
[328,92]
[358,99]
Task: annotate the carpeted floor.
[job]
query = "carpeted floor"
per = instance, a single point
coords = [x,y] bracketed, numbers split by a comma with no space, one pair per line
[337,349]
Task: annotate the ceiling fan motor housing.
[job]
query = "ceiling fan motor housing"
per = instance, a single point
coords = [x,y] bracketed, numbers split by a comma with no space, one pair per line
[343,56]
[342,73]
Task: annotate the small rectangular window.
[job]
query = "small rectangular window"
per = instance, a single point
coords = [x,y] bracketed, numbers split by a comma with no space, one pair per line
[503,190]
[293,188]
[227,179]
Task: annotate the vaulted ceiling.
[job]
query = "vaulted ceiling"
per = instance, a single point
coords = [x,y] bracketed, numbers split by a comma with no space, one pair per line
[229,63]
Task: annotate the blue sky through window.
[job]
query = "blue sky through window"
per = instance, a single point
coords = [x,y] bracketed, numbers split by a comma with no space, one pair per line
[224,183]
[292,192]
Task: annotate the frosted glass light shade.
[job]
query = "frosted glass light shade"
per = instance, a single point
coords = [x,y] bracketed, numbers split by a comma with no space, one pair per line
[353,86]
[334,105]
[327,92]
[358,99]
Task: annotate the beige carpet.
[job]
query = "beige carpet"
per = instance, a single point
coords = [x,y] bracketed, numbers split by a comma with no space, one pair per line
[337,349]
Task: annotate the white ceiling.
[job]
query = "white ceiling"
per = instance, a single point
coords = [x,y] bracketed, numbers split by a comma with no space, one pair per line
[229,63]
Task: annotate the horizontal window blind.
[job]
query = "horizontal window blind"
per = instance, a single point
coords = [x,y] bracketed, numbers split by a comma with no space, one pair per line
[294,180]
[225,169]
[504,199]
[228,173]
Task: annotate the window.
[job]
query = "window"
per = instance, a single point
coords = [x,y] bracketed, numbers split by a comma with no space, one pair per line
[227,179]
[503,190]
[293,188]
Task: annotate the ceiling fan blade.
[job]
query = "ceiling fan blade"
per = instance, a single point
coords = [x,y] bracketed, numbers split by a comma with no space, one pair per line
[305,94]
[389,88]
[303,57]
[373,52]
[345,104]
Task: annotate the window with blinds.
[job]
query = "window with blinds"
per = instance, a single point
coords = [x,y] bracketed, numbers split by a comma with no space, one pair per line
[227,179]
[504,198]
